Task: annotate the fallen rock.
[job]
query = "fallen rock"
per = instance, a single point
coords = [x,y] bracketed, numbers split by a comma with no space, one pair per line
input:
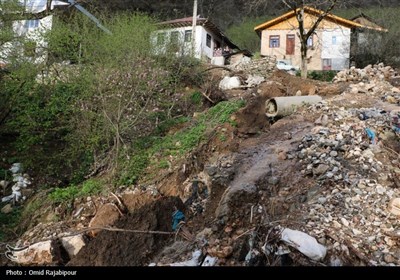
[321,169]
[228,83]
[394,206]
[41,253]
[73,244]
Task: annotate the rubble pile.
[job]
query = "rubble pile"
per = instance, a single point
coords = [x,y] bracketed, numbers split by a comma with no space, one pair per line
[257,67]
[372,80]
[348,210]
[377,72]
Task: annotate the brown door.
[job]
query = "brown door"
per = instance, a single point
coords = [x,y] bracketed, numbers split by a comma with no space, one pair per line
[290,44]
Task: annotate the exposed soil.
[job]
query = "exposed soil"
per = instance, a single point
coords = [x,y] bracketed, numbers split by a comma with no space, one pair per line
[255,180]
[131,249]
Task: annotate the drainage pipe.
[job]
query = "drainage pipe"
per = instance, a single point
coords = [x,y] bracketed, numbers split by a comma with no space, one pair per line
[285,106]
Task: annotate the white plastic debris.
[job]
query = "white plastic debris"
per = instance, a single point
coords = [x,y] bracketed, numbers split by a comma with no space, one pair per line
[21,181]
[306,244]
[16,168]
[194,261]
[209,261]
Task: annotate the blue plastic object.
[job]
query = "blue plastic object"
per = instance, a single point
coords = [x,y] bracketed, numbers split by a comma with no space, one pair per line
[371,135]
[177,217]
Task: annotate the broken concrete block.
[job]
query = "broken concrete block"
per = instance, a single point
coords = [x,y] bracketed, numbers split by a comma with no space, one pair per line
[73,244]
[41,253]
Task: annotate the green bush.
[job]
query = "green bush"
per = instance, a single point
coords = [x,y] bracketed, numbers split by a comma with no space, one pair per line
[326,76]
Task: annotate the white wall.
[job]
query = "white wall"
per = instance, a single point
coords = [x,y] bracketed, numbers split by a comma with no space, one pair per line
[338,50]
[36,6]
[201,50]
[30,34]
[35,34]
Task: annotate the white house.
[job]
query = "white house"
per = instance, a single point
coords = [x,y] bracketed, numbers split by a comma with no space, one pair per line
[176,36]
[32,32]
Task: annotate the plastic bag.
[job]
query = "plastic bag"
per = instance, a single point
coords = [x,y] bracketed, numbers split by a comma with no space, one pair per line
[306,244]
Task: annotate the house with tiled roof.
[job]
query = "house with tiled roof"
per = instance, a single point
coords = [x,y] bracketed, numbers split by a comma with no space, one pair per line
[329,47]
[175,36]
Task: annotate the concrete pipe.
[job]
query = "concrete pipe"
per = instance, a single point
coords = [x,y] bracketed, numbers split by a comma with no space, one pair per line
[285,106]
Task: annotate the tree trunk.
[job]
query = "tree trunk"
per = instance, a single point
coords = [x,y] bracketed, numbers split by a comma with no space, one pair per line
[303,60]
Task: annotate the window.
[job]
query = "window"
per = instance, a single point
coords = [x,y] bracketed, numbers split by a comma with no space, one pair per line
[274,41]
[208,40]
[174,42]
[188,35]
[32,23]
[334,40]
[310,41]
[290,40]
[161,38]
[174,37]
[326,64]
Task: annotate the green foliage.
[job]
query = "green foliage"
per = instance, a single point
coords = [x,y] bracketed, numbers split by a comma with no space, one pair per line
[134,167]
[196,98]
[8,222]
[5,174]
[326,76]
[89,187]
[97,110]
[163,164]
[8,9]
[41,117]
[243,34]
[157,148]
[222,112]
[166,124]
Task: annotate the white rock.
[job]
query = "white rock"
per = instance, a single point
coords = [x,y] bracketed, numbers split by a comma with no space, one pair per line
[344,222]
[228,83]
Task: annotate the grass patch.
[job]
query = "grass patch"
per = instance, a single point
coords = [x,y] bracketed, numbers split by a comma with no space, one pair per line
[89,187]
[155,149]
[196,98]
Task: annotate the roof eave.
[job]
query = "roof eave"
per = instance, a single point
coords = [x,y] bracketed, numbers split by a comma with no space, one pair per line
[309,10]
